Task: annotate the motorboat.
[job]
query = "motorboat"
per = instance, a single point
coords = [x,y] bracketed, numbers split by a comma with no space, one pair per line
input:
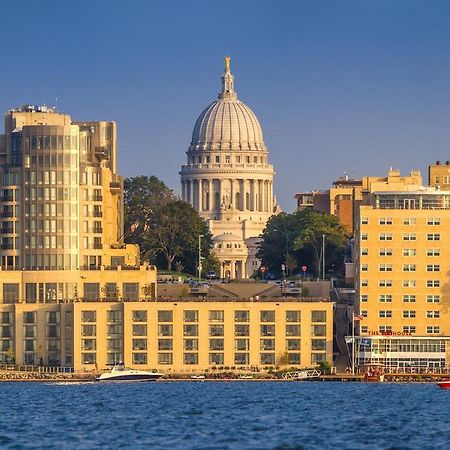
[121,373]
[373,373]
[445,384]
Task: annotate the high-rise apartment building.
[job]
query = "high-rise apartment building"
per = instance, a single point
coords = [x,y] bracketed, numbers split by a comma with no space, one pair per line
[402,273]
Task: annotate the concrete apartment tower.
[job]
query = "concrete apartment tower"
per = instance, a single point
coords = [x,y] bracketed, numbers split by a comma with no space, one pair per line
[228,180]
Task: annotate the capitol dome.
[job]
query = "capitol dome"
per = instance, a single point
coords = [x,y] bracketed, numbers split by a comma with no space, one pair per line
[227,123]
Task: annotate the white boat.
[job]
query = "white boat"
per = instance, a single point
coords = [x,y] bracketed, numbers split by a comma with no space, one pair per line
[302,375]
[121,373]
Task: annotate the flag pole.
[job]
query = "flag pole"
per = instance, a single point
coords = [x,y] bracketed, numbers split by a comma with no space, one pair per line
[353,342]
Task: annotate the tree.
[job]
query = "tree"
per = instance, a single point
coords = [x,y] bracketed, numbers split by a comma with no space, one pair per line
[165,227]
[299,237]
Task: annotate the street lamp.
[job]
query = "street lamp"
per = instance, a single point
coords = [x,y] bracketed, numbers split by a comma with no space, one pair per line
[200,256]
[286,235]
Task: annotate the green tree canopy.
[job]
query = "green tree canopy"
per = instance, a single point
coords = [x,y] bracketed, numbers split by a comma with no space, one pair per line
[165,227]
[298,236]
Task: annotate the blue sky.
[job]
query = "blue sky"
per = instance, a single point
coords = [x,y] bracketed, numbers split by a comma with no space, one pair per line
[339,86]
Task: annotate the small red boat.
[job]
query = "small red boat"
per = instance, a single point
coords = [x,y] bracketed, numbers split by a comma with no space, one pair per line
[444,384]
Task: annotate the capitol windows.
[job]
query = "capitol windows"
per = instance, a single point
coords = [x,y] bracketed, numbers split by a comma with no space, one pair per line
[217,159]
[227,159]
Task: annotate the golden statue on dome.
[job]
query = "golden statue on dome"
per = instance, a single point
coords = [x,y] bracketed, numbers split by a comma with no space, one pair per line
[227,63]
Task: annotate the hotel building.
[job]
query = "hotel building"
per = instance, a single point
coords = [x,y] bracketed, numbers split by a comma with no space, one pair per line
[402,273]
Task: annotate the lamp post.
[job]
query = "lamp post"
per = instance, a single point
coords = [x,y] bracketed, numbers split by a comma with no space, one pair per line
[323,256]
[200,256]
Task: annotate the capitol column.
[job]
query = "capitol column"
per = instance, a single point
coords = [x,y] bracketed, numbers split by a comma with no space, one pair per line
[210,195]
[200,194]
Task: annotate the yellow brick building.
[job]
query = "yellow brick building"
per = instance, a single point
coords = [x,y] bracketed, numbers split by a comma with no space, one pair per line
[402,273]
[181,336]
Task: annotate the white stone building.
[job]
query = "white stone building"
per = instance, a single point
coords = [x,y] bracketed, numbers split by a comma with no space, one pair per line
[228,179]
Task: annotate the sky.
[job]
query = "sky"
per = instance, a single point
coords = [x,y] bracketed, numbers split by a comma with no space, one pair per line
[340,87]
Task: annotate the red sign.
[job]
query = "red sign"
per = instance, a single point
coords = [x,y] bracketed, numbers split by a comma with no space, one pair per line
[304,268]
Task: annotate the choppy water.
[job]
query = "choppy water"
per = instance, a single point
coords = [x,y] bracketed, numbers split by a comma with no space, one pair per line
[218,415]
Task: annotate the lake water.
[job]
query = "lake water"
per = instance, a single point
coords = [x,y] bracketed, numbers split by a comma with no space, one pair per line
[224,415]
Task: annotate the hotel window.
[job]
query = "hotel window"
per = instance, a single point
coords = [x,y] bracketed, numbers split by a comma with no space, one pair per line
[139,344]
[241,330]
[165,316]
[364,267]
[216,358]
[433,267]
[114,344]
[293,358]
[364,236]
[385,313]
[292,316]
[242,316]
[165,344]
[364,283]
[190,344]
[88,344]
[318,316]
[433,330]
[364,329]
[364,313]
[216,330]
[385,267]
[385,252]
[409,252]
[216,316]
[88,330]
[139,358]
[409,237]
[318,330]
[409,283]
[165,358]
[190,330]
[409,298]
[139,316]
[267,358]
[139,330]
[88,316]
[433,237]
[385,221]
[385,298]
[266,344]
[433,252]
[267,316]
[446,179]
[267,330]
[409,329]
[241,359]
[88,358]
[292,344]
[409,221]
[165,330]
[217,159]
[385,283]
[364,298]
[242,344]
[130,291]
[364,252]
[114,316]
[91,291]
[385,328]
[409,314]
[433,314]
[318,344]
[433,283]
[317,358]
[190,358]
[292,330]
[364,221]
[114,329]
[10,292]
[216,344]
[433,221]
[433,299]
[409,267]
[385,236]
